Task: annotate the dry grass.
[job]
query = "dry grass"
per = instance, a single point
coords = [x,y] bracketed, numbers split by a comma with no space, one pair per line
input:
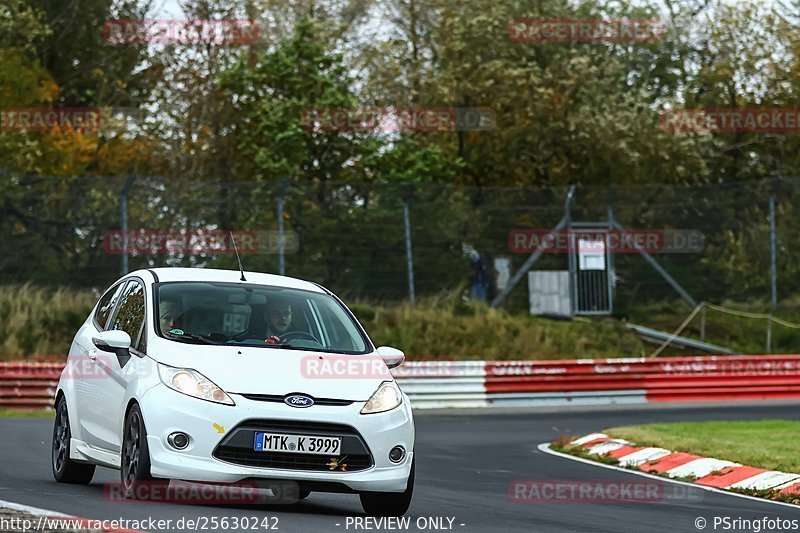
[443,326]
[38,324]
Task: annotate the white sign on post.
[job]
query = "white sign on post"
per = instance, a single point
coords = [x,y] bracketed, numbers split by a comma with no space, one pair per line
[591,254]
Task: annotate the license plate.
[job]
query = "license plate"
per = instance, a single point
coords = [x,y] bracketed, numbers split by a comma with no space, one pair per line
[281,442]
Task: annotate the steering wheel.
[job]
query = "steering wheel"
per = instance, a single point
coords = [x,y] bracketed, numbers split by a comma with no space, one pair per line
[299,335]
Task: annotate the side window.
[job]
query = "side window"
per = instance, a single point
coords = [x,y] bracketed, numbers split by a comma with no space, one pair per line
[141,346]
[342,336]
[106,305]
[129,316]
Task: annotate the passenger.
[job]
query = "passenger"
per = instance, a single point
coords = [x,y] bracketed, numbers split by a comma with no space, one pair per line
[169,312]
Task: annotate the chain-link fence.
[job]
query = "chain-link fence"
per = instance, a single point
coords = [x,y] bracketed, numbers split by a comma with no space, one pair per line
[355,237]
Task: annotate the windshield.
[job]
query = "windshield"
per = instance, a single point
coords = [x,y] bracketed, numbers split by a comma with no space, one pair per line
[256,315]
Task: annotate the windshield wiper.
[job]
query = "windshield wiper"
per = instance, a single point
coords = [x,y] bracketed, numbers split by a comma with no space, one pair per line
[192,336]
[282,345]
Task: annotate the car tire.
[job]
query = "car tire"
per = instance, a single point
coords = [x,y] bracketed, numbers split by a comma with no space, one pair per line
[137,483]
[389,503]
[65,470]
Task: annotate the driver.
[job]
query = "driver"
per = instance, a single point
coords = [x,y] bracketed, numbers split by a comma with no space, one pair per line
[278,317]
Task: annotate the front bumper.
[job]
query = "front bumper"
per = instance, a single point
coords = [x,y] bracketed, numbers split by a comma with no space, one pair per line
[166,411]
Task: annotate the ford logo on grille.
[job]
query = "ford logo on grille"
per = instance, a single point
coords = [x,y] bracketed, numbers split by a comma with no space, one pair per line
[299,400]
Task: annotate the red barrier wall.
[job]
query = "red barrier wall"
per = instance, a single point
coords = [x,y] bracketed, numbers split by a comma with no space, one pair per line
[32,385]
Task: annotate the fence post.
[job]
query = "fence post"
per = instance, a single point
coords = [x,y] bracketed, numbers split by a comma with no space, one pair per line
[703,323]
[769,333]
[281,259]
[281,253]
[123,211]
[409,257]
[772,251]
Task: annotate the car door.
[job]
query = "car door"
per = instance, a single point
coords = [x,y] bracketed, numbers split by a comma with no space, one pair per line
[83,365]
[116,372]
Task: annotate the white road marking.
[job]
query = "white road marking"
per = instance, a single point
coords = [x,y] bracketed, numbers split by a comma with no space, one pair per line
[766,480]
[608,446]
[588,438]
[642,456]
[700,467]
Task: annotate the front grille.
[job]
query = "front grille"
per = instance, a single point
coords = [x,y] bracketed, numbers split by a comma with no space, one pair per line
[279,399]
[291,461]
[237,446]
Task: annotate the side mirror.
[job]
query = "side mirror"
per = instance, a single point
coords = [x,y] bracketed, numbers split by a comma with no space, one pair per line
[114,341]
[391,356]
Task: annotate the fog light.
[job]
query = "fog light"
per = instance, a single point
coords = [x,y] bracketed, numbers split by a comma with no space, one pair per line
[178,440]
[396,454]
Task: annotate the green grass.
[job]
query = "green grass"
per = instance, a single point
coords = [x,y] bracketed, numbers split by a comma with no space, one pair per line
[21,413]
[770,444]
[743,335]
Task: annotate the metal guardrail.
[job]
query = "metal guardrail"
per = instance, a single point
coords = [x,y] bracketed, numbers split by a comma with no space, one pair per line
[438,384]
[599,381]
[656,336]
[28,385]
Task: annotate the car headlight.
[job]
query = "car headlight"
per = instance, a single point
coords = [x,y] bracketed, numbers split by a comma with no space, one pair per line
[192,383]
[386,398]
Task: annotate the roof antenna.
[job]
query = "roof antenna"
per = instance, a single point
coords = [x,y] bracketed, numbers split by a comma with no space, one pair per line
[237,256]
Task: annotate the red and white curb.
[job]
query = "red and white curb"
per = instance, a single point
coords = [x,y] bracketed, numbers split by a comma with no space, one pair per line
[704,471]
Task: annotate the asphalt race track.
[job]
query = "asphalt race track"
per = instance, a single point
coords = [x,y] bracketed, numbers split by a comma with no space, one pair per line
[466,462]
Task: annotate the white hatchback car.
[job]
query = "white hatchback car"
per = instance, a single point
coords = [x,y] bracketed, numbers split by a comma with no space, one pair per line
[219,376]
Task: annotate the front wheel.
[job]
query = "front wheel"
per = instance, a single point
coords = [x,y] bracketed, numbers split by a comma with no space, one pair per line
[65,470]
[389,503]
[137,483]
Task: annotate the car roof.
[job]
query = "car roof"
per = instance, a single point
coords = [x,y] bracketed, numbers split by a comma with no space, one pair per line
[168,274]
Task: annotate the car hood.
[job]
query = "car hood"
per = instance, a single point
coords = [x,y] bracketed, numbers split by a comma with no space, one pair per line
[249,370]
